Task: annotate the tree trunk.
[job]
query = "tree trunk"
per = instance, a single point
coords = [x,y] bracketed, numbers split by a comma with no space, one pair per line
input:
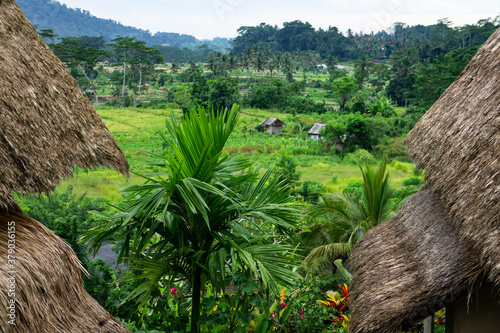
[123,86]
[140,85]
[195,309]
[95,90]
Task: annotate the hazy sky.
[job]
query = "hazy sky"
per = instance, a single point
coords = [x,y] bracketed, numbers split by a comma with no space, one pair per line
[206,19]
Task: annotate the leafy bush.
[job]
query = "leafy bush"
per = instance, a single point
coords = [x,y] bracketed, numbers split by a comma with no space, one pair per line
[223,93]
[413,182]
[400,166]
[100,280]
[360,156]
[310,190]
[356,130]
[68,217]
[391,152]
[267,94]
[286,168]
[296,104]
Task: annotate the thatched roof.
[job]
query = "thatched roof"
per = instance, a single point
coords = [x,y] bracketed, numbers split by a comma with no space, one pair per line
[316,128]
[53,299]
[409,267]
[47,124]
[457,142]
[271,121]
[447,236]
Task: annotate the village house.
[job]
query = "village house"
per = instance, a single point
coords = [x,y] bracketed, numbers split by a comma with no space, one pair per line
[272,125]
[313,133]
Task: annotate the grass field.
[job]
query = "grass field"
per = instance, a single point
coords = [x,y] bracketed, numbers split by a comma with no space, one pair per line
[136,130]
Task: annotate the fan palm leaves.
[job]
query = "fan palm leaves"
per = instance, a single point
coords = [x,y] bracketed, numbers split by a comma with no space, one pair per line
[208,214]
[342,219]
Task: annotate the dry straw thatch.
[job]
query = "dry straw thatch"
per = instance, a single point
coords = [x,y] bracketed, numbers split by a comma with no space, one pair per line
[48,289]
[447,237]
[408,265]
[47,125]
[457,142]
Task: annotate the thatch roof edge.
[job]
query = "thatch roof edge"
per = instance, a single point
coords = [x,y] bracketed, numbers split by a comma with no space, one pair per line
[47,125]
[49,292]
[409,267]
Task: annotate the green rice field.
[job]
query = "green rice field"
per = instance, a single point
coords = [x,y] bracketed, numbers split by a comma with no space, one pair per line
[136,131]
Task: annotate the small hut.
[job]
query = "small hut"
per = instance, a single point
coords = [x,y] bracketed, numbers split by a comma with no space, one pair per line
[443,248]
[313,133]
[272,125]
[47,126]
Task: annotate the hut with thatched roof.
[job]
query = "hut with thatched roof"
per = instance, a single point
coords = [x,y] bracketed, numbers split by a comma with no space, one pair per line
[443,248]
[272,125]
[313,133]
[47,126]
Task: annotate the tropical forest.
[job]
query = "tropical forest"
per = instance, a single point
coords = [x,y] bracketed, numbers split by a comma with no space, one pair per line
[256,163]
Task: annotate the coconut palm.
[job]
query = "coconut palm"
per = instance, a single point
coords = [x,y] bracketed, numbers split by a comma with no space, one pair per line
[247,60]
[260,61]
[343,219]
[209,214]
[361,69]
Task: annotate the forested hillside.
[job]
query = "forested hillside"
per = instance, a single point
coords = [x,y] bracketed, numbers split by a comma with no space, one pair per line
[65,22]
[430,41]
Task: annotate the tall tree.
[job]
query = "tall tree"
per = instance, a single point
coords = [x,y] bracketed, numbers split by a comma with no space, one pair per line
[124,49]
[84,59]
[343,90]
[361,67]
[131,52]
[144,60]
[212,214]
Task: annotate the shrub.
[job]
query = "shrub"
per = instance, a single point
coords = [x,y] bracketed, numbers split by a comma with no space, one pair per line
[391,152]
[310,190]
[413,182]
[296,104]
[400,166]
[266,94]
[68,217]
[286,168]
[360,156]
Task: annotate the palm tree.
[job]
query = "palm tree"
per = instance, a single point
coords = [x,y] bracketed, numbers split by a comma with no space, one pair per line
[361,67]
[288,67]
[331,61]
[207,215]
[259,61]
[232,62]
[212,63]
[174,69]
[279,61]
[272,64]
[247,60]
[343,219]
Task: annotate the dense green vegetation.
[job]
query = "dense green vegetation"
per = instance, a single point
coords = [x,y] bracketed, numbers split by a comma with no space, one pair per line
[219,198]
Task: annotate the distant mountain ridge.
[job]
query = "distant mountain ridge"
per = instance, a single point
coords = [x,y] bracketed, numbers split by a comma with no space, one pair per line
[69,22]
